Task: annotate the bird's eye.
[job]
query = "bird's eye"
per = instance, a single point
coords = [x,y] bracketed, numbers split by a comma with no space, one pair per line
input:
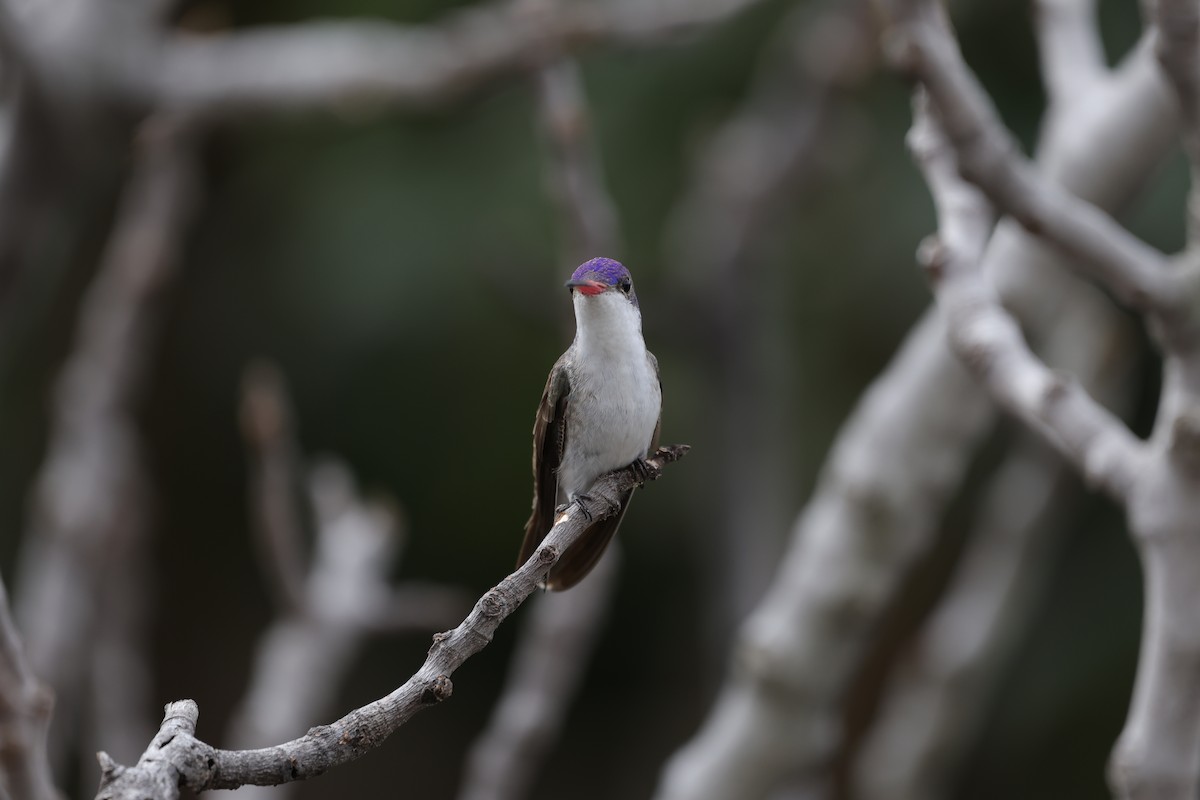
[626,285]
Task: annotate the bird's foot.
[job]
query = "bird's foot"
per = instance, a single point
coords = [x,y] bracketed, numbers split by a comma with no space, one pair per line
[643,471]
[578,500]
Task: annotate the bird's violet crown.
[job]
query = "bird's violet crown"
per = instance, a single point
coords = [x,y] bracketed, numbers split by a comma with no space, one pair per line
[606,269]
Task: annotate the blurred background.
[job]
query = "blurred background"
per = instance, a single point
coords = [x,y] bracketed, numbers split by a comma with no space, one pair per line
[403,268]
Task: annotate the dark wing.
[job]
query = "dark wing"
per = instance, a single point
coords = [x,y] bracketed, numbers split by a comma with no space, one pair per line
[549,439]
[580,557]
[658,425]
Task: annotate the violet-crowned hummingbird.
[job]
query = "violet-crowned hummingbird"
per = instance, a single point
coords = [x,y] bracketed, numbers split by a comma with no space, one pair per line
[600,411]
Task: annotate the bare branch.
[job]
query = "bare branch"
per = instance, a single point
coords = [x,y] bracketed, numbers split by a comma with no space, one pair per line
[1158,752]
[988,340]
[176,759]
[937,700]
[921,44]
[344,65]
[1178,28]
[92,463]
[267,427]
[1177,23]
[1069,45]
[119,688]
[25,710]
[546,670]
[574,172]
[785,141]
[893,467]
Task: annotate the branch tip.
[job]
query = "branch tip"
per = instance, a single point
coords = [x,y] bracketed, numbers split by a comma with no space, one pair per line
[108,767]
[931,257]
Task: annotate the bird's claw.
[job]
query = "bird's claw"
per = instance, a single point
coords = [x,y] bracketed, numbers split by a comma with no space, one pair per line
[579,498]
[642,471]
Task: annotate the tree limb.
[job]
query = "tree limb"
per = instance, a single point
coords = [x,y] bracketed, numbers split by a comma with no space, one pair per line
[988,340]
[348,64]
[920,44]
[893,468]
[93,465]
[177,759]
[25,710]
[1070,49]
[574,174]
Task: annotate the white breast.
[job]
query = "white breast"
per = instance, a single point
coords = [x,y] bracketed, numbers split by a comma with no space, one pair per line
[615,398]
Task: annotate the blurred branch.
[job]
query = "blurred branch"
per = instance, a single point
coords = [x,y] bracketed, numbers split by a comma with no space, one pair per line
[573,171]
[547,668]
[934,704]
[176,759]
[893,468]
[92,468]
[773,148]
[267,428]
[1177,25]
[344,597]
[120,681]
[341,65]
[1070,49]
[921,46]
[1158,751]
[988,340]
[26,706]
[936,697]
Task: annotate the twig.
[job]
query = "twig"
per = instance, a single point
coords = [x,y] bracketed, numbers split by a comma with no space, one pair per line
[25,710]
[176,759]
[267,428]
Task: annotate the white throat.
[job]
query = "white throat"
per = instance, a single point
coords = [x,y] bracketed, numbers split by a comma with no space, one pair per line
[608,327]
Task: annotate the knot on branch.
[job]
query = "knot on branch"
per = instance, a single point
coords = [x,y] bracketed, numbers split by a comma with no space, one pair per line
[439,689]
[1056,390]
[902,52]
[494,604]
[546,555]
[932,256]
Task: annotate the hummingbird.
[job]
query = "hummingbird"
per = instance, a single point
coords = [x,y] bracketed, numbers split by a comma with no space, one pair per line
[601,410]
